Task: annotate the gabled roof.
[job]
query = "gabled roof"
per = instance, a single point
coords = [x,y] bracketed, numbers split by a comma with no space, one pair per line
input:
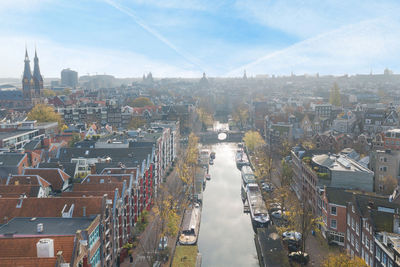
[49,207]
[11,159]
[28,190]
[68,167]
[55,176]
[27,179]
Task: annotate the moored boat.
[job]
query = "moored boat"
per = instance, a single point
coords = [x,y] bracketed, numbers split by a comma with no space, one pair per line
[258,211]
[191,226]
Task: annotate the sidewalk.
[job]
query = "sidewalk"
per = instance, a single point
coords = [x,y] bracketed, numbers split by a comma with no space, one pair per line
[138,259]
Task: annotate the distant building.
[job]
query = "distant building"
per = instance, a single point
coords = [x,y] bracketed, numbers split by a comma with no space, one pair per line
[32,84]
[69,78]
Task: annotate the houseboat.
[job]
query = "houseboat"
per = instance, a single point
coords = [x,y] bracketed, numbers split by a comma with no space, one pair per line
[241,159]
[248,177]
[191,226]
[258,210]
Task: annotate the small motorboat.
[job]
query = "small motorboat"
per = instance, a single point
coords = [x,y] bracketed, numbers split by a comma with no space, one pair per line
[211,162]
[212,155]
[208,177]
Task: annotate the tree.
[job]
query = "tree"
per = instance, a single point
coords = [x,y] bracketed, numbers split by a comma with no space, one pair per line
[343,260]
[75,139]
[240,115]
[140,102]
[136,122]
[44,113]
[48,93]
[334,96]
[205,117]
[253,140]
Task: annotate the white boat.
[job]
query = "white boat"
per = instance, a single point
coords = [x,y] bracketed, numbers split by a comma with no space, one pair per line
[258,211]
[241,159]
[247,177]
[191,226]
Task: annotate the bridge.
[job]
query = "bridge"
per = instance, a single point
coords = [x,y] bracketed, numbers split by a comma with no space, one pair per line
[215,137]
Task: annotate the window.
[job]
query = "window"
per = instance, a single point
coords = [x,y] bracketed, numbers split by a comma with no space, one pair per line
[348,234]
[348,219]
[352,239]
[367,243]
[357,245]
[352,223]
[371,247]
[333,223]
[357,229]
[333,210]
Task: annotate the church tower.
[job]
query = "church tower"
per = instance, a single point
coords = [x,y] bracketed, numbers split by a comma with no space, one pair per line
[27,81]
[37,77]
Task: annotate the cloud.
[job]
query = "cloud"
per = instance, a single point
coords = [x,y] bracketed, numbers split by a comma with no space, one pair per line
[54,57]
[355,48]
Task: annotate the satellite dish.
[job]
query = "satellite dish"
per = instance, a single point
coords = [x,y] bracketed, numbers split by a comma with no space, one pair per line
[222,136]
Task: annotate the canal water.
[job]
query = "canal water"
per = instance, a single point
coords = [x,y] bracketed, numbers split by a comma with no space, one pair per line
[226,234]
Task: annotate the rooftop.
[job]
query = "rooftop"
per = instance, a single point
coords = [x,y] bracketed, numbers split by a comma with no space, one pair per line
[51,226]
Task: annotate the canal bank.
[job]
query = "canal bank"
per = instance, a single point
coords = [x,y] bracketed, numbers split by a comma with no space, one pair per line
[226,237]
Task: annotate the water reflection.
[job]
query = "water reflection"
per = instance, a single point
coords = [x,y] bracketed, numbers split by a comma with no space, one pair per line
[226,234]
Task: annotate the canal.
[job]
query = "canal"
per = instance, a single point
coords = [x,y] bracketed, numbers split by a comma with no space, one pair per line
[226,234]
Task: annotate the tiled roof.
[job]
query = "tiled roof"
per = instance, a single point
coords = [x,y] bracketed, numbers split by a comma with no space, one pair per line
[29,190]
[98,187]
[55,176]
[48,207]
[28,179]
[28,262]
[105,178]
[11,159]
[68,168]
[26,247]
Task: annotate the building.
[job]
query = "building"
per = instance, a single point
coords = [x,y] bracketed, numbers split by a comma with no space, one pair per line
[69,78]
[387,249]
[51,242]
[385,164]
[32,84]
[367,216]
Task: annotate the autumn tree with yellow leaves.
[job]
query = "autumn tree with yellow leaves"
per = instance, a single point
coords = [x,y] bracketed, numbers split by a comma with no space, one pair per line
[44,113]
[343,260]
[253,140]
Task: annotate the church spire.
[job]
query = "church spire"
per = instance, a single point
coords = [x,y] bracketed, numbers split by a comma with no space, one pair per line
[27,68]
[37,77]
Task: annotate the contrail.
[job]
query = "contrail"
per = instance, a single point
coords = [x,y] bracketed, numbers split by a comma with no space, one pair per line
[292,47]
[193,61]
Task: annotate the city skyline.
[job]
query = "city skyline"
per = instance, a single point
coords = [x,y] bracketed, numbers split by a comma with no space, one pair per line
[174,39]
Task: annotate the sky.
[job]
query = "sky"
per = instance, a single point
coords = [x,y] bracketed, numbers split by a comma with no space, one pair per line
[184,38]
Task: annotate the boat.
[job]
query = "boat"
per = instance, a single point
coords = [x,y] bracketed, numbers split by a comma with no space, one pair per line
[241,159]
[191,226]
[208,176]
[248,177]
[258,211]
[211,162]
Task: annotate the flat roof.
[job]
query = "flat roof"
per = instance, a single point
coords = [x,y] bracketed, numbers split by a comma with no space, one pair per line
[15,133]
[51,226]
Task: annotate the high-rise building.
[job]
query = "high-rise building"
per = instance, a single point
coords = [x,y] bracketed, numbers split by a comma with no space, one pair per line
[69,78]
[32,85]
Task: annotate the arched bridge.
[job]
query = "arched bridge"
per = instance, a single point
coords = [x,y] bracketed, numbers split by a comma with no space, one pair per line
[212,137]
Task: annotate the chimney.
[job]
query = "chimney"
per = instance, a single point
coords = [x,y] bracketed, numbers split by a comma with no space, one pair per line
[92,168]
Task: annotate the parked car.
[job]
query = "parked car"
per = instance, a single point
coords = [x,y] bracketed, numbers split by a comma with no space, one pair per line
[278,214]
[275,206]
[292,234]
[267,187]
[299,257]
[163,243]
[293,245]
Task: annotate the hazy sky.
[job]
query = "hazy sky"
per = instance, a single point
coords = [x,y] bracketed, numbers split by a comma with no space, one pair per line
[183,38]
